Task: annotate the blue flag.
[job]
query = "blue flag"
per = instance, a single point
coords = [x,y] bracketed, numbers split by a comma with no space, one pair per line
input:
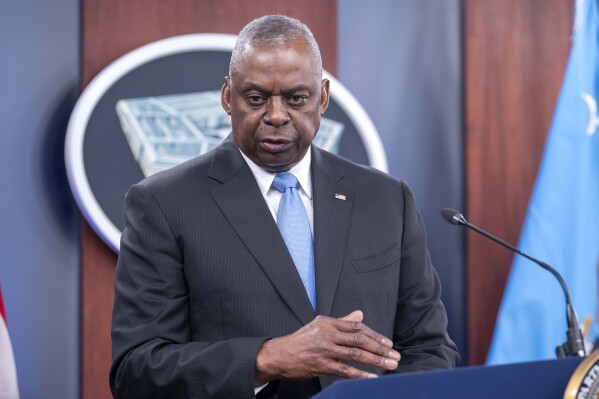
[562,220]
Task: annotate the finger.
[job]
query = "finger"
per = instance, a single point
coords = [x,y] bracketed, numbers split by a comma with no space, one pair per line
[358,347]
[358,327]
[343,370]
[353,354]
[356,315]
[355,334]
[366,339]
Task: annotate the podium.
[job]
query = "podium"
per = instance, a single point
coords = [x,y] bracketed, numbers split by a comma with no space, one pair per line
[539,380]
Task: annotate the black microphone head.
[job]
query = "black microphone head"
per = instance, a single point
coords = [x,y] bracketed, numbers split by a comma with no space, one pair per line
[452,216]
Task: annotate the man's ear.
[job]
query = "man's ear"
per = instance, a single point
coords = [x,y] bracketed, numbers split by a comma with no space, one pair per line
[324,96]
[225,95]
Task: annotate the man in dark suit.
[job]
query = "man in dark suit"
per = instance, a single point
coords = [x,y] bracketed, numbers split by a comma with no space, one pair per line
[227,260]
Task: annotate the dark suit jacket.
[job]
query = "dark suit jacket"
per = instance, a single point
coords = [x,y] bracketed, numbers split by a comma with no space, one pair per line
[204,277]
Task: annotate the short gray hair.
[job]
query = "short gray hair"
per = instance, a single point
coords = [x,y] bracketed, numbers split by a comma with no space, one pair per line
[271,31]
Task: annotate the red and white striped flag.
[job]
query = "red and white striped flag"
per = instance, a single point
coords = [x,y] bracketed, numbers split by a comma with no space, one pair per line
[8,371]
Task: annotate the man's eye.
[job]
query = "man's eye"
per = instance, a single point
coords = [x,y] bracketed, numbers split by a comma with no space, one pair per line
[256,100]
[296,100]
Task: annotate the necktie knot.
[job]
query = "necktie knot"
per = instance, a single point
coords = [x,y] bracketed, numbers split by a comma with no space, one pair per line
[283,181]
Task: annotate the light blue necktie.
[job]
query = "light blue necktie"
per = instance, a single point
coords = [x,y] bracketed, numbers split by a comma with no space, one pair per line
[292,220]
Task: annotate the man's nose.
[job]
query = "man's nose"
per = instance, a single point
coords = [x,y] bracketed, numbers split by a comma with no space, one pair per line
[277,114]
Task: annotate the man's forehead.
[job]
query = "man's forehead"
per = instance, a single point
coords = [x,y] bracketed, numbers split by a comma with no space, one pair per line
[269,86]
[272,56]
[251,54]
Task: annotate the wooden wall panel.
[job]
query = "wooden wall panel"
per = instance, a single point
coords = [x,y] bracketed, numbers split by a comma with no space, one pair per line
[515,55]
[111,28]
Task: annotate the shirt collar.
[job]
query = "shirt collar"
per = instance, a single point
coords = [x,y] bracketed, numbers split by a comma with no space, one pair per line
[301,171]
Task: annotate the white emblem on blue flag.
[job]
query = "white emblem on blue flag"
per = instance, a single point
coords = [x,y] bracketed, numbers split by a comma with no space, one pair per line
[593,119]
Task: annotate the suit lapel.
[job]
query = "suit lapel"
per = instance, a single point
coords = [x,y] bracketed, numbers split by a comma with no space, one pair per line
[332,210]
[243,205]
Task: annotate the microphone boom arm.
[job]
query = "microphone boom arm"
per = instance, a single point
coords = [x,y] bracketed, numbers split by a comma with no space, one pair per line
[574,346]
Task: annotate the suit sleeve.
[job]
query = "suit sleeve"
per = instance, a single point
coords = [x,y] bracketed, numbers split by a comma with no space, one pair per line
[152,353]
[420,332]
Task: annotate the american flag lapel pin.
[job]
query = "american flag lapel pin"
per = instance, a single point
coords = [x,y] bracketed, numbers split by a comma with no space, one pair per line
[340,197]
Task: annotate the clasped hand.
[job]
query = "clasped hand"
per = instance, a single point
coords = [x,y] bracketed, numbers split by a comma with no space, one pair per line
[322,347]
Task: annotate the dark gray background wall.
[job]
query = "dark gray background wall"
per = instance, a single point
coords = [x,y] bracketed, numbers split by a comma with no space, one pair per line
[39,228]
[402,61]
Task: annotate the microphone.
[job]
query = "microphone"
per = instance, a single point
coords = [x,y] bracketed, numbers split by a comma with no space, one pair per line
[574,345]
